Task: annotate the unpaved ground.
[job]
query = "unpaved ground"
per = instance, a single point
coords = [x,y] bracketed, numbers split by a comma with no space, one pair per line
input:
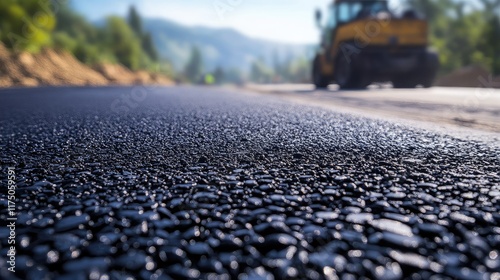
[470,76]
[477,108]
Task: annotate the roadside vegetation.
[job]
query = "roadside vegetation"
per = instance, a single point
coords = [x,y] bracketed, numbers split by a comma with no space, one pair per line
[463,32]
[289,70]
[31,25]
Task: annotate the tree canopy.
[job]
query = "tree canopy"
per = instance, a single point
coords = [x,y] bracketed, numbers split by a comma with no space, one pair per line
[462,32]
[194,68]
[30,25]
[26,24]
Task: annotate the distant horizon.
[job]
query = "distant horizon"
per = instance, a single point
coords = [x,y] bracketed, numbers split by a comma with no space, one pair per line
[223,28]
[273,25]
[282,21]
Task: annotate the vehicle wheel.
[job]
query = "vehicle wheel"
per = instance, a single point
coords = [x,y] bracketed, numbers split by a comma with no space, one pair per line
[346,76]
[432,66]
[319,80]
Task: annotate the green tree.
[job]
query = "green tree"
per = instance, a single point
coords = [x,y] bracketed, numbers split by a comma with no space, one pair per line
[149,47]
[26,24]
[124,44]
[85,41]
[260,72]
[492,33]
[194,67]
[62,40]
[495,45]
[219,75]
[299,70]
[278,67]
[135,22]
[234,76]
[463,33]
[76,26]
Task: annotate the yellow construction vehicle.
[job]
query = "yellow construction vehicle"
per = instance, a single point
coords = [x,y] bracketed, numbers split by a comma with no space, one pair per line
[364,42]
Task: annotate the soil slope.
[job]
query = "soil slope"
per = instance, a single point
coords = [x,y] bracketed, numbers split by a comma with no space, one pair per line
[57,68]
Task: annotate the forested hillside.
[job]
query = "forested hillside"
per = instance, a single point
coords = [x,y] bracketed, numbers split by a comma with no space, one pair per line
[31,25]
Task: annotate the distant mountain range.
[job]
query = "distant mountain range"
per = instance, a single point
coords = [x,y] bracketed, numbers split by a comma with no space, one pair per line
[226,47]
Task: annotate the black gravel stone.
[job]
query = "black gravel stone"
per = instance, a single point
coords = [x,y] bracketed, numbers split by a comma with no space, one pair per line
[132,260]
[199,249]
[87,265]
[71,222]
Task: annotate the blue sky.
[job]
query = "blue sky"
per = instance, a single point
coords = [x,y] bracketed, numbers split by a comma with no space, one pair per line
[289,21]
[278,20]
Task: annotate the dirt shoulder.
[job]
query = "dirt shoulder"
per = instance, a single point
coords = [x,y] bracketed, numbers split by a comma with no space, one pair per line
[471,76]
[57,68]
[475,108]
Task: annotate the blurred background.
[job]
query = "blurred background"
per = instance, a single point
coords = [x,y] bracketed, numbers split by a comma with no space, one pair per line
[98,42]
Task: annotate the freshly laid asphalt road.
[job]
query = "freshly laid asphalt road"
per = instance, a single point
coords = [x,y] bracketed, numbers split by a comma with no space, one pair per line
[187,182]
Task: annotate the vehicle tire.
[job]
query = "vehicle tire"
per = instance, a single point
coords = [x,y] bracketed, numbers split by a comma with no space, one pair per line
[346,74]
[431,69]
[320,81]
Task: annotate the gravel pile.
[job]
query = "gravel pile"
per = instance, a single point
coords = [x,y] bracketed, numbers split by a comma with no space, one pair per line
[194,183]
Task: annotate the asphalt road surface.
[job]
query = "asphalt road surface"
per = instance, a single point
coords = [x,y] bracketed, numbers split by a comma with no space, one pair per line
[189,183]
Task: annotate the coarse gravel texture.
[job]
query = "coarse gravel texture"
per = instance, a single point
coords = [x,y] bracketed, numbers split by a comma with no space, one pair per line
[189,183]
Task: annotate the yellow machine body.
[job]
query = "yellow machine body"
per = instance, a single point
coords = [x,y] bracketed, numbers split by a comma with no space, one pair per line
[375,48]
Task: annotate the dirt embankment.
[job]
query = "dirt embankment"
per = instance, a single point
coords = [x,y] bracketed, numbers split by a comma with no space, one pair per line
[56,68]
[470,76]
[120,75]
